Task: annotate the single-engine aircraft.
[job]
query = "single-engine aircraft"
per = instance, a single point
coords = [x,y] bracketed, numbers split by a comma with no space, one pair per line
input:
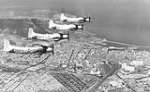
[52,36]
[56,26]
[25,50]
[65,18]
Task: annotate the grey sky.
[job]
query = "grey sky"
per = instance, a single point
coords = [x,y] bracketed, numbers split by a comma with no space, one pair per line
[119,20]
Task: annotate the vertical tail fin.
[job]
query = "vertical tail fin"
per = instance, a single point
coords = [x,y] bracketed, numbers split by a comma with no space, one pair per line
[51,24]
[30,33]
[63,17]
[62,14]
[7,46]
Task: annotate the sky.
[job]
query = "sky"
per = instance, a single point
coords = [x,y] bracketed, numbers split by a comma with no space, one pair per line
[119,20]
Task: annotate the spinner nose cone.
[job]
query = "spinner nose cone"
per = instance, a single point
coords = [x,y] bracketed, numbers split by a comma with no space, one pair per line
[66,36]
[87,19]
[51,49]
[80,27]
